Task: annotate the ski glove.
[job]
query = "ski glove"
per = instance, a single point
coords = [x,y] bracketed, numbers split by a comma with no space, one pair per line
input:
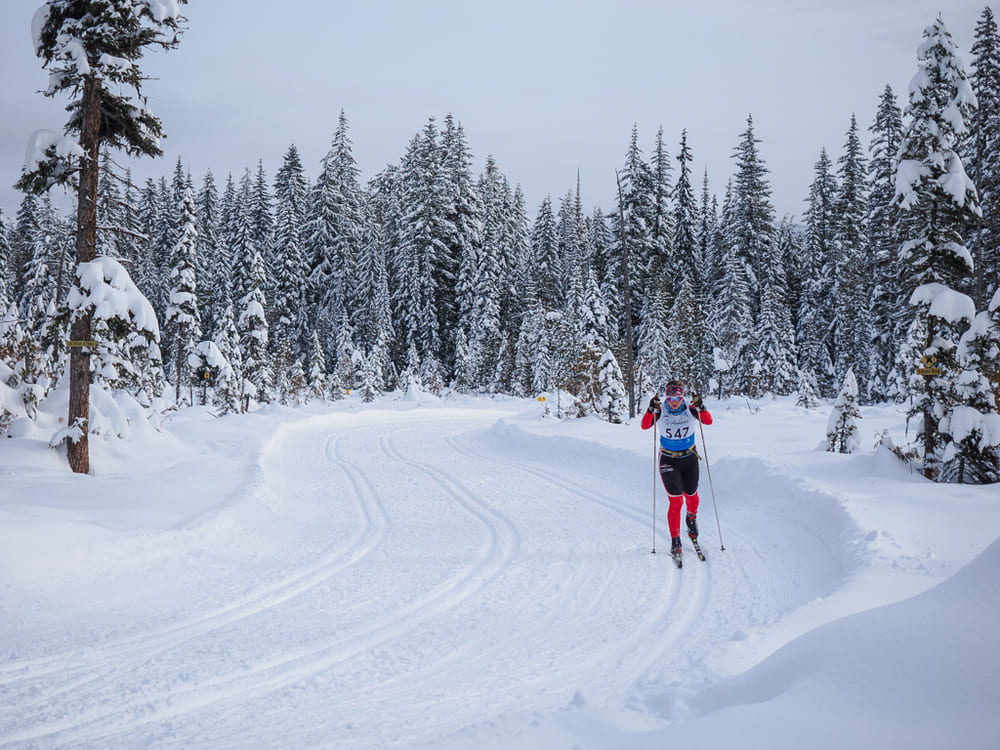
[697,403]
[654,404]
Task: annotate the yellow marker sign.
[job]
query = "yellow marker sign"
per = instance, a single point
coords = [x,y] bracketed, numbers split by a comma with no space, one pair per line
[929,368]
[541,398]
[81,344]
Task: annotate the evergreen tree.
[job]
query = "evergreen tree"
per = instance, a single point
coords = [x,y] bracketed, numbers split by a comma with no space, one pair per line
[182,312]
[753,228]
[687,253]
[842,428]
[982,158]
[938,204]
[288,294]
[688,346]
[816,301]
[544,265]
[612,403]
[211,263]
[887,305]
[851,288]
[636,207]
[317,368]
[775,356]
[228,395]
[661,230]
[973,425]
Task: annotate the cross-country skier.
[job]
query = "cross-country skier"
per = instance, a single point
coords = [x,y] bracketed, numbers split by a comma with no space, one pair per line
[676,425]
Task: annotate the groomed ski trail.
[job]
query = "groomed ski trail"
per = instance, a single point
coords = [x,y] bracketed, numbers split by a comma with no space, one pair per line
[423,577]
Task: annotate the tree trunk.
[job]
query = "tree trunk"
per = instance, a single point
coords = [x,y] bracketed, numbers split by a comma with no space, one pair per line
[78,451]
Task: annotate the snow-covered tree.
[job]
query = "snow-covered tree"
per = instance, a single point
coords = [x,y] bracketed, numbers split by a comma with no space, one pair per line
[983,157]
[842,434]
[971,428]
[182,311]
[937,203]
[887,307]
[92,50]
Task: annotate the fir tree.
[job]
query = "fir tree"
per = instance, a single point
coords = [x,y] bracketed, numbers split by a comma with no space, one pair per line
[182,312]
[851,288]
[289,279]
[887,305]
[972,427]
[937,203]
[842,435]
[687,252]
[816,301]
[544,264]
[983,160]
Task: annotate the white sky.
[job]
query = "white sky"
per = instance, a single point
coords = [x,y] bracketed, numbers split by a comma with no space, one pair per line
[547,87]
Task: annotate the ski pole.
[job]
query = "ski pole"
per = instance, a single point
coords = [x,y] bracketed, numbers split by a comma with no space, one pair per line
[708,470]
[655,468]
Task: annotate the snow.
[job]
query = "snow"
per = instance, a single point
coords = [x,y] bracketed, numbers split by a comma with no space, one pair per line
[104,284]
[162,10]
[459,572]
[945,303]
[41,141]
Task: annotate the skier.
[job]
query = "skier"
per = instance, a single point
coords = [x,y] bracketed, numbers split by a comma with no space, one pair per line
[678,459]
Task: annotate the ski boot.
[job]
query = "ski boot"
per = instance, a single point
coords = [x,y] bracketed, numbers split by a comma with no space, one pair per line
[692,524]
[675,550]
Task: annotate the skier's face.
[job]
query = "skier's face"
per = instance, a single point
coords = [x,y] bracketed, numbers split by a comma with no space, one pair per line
[673,395]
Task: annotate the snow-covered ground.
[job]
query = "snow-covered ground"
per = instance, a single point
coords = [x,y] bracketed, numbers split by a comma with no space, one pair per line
[464,573]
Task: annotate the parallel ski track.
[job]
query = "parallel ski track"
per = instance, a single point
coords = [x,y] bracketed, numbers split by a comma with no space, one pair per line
[277,672]
[88,666]
[87,684]
[688,594]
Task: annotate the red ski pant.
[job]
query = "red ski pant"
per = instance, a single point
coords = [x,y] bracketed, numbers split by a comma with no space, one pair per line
[680,480]
[674,511]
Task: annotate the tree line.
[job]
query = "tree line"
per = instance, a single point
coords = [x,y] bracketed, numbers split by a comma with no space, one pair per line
[430,275]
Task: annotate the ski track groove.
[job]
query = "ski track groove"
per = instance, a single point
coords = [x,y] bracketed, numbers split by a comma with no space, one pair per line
[679,621]
[609,670]
[146,644]
[273,674]
[132,652]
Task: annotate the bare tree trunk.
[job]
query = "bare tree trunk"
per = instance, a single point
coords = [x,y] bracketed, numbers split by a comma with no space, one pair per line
[78,451]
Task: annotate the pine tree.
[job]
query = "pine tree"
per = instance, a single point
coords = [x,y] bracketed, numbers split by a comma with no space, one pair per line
[662,229]
[983,157]
[887,305]
[851,288]
[423,233]
[228,395]
[686,249]
[842,435]
[211,265]
[613,403]
[317,368]
[182,313]
[252,324]
[753,226]
[544,264]
[775,356]
[938,204]
[816,302]
[288,295]
[973,426]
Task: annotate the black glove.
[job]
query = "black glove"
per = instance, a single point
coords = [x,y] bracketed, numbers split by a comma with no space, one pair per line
[697,403]
[654,404]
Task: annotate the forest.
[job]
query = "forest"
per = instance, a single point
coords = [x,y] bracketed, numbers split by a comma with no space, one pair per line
[254,288]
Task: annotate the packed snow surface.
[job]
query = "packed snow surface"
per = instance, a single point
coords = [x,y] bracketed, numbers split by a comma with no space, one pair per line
[468,573]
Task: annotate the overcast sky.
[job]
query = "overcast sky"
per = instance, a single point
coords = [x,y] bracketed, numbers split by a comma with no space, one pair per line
[546,87]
